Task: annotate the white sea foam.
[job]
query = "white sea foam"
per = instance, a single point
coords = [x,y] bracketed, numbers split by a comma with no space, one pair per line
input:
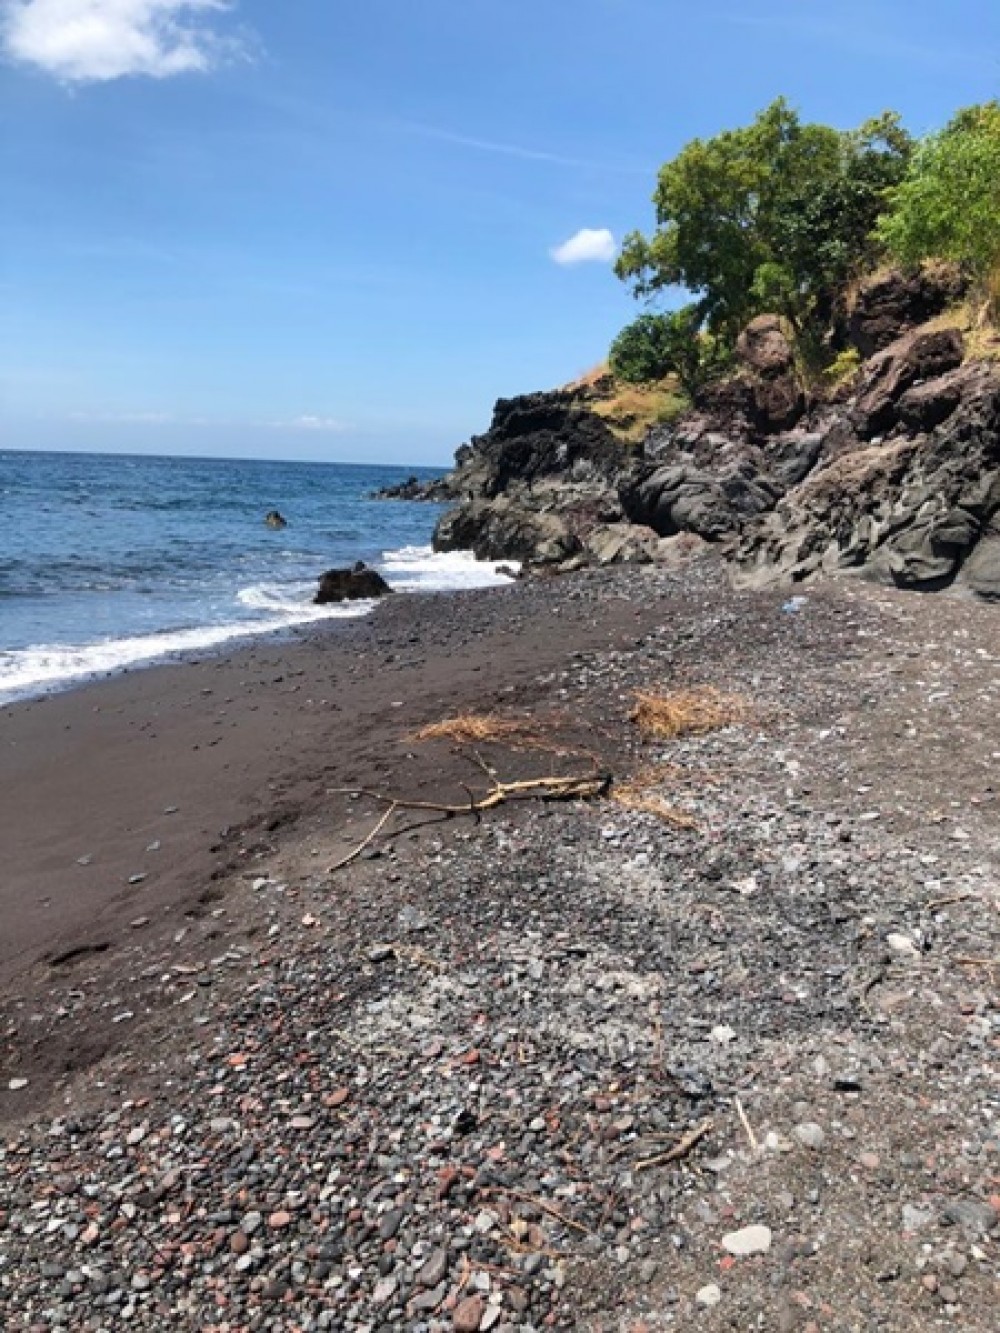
[420,569]
[43,667]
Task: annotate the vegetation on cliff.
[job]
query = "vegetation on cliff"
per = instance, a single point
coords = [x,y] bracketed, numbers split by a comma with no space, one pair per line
[781,216]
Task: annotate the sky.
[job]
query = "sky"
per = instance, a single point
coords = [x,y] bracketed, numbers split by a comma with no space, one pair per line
[339,231]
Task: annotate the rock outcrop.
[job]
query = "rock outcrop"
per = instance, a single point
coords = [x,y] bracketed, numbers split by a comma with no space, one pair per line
[894,476]
[777,399]
[351,585]
[920,510]
[537,484]
[437,490]
[890,304]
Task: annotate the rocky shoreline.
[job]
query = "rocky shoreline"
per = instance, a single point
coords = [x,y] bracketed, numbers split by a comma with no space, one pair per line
[893,475]
[578,1065]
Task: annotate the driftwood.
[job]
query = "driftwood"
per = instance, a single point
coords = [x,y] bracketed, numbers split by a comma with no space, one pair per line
[574,787]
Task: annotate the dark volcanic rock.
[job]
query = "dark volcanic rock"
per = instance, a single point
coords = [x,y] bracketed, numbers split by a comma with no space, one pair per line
[777,400]
[350,585]
[890,304]
[532,487]
[435,490]
[917,511]
[911,359]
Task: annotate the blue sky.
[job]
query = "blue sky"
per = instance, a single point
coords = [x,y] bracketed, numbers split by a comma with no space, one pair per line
[319,229]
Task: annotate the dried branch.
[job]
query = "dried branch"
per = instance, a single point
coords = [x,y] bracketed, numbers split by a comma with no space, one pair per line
[680,1149]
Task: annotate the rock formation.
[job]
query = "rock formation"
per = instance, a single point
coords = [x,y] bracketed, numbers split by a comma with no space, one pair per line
[350,585]
[894,475]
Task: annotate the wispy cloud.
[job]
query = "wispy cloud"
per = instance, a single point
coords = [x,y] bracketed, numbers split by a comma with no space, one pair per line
[95,41]
[308,422]
[587,246]
[502,149]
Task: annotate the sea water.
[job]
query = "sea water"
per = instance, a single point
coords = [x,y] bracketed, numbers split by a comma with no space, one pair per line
[110,561]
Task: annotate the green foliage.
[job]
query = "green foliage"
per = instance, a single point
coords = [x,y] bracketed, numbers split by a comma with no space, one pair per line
[948,205]
[770,217]
[842,369]
[656,345]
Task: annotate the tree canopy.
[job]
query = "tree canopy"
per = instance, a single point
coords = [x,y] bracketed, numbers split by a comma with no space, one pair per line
[770,217]
[948,204]
[656,345]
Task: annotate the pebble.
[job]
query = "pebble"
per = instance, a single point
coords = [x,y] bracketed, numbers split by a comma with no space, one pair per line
[810,1135]
[708,1296]
[751,1240]
[903,945]
[468,1315]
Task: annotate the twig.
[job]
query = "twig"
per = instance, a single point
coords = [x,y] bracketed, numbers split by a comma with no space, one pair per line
[679,1150]
[367,842]
[991,963]
[547,1208]
[747,1126]
[947,902]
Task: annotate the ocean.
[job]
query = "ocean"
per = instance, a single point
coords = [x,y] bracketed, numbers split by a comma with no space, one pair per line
[110,561]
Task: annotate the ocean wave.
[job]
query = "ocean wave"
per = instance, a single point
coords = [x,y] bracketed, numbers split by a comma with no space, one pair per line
[271,607]
[42,667]
[422,569]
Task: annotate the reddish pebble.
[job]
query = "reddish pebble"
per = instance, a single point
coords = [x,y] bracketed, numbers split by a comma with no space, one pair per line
[278,1220]
[469,1315]
[471,1057]
[239,1242]
[338,1097]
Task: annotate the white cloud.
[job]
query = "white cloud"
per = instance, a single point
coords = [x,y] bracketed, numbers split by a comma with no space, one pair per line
[93,41]
[316,423]
[588,246]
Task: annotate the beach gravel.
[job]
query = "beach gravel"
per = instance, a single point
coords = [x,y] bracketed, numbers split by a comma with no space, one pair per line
[569,1065]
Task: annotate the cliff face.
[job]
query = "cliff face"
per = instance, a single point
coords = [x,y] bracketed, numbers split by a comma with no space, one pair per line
[896,476]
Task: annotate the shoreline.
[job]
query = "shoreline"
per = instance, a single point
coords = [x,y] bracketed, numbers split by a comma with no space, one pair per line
[181,644]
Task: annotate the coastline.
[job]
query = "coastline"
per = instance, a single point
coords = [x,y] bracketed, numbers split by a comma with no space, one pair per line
[482,1021]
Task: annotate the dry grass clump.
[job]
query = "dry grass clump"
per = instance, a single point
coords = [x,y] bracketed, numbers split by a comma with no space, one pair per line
[475,729]
[517,733]
[692,712]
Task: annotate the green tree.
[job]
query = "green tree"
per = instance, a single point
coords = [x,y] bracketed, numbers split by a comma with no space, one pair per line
[948,205]
[769,217]
[656,345]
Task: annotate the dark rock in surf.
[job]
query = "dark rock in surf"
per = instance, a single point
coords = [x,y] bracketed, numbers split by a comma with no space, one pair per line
[351,585]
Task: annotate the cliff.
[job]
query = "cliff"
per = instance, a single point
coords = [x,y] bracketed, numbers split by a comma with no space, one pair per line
[893,474]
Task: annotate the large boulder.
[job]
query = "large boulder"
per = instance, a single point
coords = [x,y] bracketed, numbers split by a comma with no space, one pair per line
[912,359]
[681,497]
[889,304]
[621,544]
[777,398]
[505,529]
[358,583]
[764,348]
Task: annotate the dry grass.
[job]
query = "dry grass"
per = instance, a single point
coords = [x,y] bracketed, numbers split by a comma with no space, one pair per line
[476,729]
[692,712]
[516,733]
[630,409]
